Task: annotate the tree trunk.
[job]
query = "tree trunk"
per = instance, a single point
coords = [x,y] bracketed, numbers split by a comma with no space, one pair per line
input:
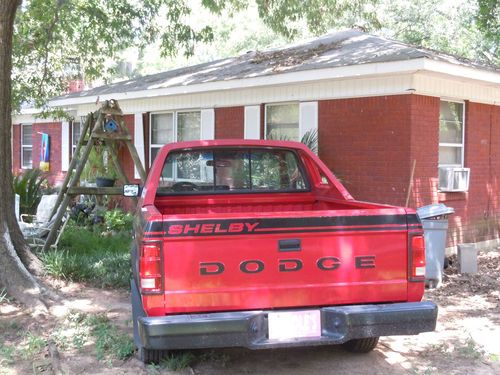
[14,275]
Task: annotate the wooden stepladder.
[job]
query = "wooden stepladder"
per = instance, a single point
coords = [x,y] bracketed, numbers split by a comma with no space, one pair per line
[105,126]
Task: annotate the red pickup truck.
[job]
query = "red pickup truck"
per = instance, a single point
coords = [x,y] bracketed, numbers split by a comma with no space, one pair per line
[256,244]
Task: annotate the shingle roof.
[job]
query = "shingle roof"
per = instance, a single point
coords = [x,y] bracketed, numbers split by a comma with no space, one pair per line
[339,49]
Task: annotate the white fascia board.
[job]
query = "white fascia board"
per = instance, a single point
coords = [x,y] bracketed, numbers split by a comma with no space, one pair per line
[351,71]
[487,76]
[354,71]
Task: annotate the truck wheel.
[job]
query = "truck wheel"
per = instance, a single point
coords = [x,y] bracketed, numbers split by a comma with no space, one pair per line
[361,345]
[151,355]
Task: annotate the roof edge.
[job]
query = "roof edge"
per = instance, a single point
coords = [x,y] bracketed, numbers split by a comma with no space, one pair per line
[350,71]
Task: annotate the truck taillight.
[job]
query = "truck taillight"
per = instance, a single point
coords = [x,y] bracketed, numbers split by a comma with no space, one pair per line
[417,258]
[150,268]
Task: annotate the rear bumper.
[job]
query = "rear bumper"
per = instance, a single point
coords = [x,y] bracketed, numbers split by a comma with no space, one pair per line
[250,328]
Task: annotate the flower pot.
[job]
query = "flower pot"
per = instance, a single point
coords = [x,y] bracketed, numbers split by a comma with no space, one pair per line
[104,182]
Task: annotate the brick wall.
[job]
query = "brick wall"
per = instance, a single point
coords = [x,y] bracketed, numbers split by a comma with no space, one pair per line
[366,143]
[53,129]
[124,155]
[229,122]
[424,146]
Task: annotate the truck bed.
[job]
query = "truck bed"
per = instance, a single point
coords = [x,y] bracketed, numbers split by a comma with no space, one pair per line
[261,204]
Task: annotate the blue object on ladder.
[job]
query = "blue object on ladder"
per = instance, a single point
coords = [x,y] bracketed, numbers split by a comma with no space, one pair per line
[111,126]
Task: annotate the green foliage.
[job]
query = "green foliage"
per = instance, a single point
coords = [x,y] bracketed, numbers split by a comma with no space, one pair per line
[32,345]
[456,27]
[118,220]
[58,40]
[28,186]
[86,255]
[109,342]
[286,16]
[6,354]
[310,139]
[178,360]
[99,164]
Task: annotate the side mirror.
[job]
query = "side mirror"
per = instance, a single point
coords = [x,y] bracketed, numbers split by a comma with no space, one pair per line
[131,190]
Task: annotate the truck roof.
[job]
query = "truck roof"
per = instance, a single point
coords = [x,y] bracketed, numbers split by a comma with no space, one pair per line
[237,143]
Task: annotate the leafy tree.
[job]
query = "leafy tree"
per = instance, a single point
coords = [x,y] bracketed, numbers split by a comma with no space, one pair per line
[465,28]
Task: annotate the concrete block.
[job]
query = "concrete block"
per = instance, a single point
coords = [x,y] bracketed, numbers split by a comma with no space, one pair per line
[467,258]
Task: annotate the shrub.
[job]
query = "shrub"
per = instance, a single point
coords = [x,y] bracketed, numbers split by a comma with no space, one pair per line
[28,186]
[118,220]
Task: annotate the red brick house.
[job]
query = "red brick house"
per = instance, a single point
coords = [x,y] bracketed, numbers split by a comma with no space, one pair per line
[379,107]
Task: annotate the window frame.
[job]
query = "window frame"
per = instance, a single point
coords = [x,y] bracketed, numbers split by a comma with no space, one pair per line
[300,165]
[74,145]
[454,145]
[23,147]
[280,104]
[174,130]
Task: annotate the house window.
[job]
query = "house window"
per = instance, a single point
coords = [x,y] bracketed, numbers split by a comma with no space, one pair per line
[170,127]
[451,134]
[76,131]
[26,146]
[282,121]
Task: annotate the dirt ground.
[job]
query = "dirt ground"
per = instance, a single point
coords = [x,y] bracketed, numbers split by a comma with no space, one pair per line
[466,341]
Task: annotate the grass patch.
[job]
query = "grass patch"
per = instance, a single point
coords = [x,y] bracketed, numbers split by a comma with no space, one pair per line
[80,330]
[470,349]
[88,254]
[3,296]
[109,342]
[178,361]
[32,345]
[6,354]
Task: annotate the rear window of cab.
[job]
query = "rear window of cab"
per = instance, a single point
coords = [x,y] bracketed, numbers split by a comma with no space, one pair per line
[231,170]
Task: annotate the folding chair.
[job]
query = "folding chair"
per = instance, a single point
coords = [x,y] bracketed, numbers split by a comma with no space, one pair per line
[35,228]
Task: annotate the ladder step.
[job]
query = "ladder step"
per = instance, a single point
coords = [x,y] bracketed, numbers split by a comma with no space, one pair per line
[89,190]
[113,136]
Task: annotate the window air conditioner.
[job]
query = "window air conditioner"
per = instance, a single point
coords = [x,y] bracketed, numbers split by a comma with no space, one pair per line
[454,179]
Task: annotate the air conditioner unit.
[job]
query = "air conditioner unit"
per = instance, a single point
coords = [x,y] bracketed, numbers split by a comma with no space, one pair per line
[454,179]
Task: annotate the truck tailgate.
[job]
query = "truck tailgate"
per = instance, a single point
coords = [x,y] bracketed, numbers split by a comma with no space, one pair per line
[263,262]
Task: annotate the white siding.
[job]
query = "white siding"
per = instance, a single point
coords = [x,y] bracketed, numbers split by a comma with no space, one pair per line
[139,140]
[308,117]
[424,83]
[327,89]
[252,122]
[207,124]
[65,145]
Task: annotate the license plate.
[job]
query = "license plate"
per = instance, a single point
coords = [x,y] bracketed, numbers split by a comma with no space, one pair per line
[294,324]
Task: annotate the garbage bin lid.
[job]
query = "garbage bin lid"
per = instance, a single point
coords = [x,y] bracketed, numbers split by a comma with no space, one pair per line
[433,210]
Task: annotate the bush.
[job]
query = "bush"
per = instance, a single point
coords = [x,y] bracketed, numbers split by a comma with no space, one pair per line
[86,255]
[118,220]
[28,186]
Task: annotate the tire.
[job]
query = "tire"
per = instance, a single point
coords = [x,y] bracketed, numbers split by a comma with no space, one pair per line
[361,345]
[151,355]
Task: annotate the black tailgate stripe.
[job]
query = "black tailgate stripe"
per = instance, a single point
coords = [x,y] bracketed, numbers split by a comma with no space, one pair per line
[283,225]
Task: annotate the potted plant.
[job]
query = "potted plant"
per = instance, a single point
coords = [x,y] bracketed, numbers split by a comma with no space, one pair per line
[99,168]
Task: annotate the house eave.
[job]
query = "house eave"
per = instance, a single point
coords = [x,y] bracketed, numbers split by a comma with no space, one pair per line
[353,71]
